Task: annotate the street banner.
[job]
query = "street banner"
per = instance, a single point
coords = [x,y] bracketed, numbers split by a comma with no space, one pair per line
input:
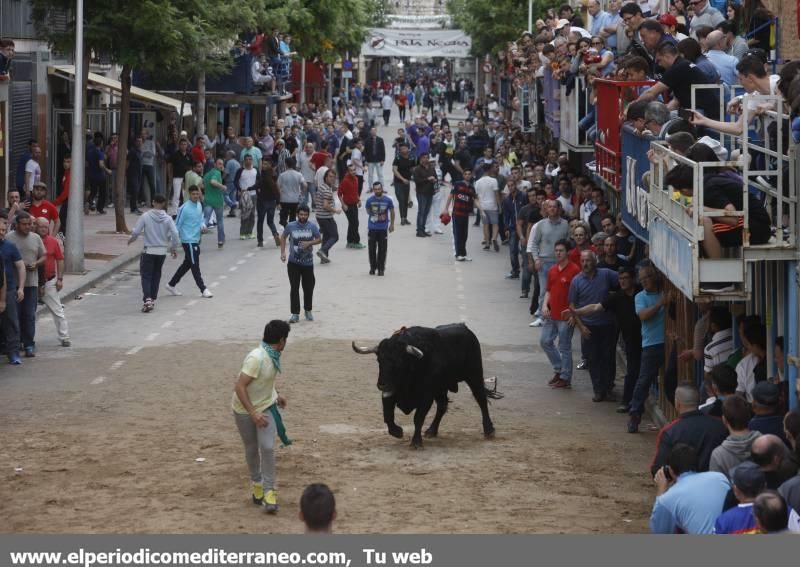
[382,42]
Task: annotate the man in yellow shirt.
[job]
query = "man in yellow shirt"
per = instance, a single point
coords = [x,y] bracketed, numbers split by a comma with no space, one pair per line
[255,405]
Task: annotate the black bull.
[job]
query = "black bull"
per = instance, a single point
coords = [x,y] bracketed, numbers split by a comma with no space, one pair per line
[419,366]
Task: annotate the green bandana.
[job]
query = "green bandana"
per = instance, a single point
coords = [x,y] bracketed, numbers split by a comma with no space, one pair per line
[274,355]
[276,415]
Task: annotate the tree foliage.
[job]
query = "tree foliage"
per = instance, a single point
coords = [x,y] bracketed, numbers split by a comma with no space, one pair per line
[493,23]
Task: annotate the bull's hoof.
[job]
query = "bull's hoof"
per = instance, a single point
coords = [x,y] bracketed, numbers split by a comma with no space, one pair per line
[396,431]
[489,434]
[417,444]
[431,432]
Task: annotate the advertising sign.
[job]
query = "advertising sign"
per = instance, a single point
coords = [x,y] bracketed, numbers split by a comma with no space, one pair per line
[382,42]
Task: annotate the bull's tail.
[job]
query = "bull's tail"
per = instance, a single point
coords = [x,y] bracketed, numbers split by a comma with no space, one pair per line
[490,386]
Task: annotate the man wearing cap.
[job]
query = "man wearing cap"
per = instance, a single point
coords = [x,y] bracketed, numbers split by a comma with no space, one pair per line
[766,417]
[670,24]
[42,208]
[736,447]
[564,28]
[748,481]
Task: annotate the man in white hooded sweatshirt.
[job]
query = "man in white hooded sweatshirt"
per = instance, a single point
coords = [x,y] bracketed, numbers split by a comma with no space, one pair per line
[160,237]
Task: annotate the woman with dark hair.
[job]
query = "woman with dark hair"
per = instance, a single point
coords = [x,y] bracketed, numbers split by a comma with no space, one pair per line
[691,51]
[755,24]
[678,9]
[733,13]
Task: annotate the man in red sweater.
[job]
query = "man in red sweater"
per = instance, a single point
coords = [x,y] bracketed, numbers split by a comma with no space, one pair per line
[351,202]
[53,279]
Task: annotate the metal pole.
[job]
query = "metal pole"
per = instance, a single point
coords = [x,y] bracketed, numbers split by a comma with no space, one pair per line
[346,81]
[303,80]
[530,16]
[330,90]
[74,242]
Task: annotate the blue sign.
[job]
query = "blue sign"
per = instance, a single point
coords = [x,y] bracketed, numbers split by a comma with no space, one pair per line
[634,196]
[347,65]
[672,253]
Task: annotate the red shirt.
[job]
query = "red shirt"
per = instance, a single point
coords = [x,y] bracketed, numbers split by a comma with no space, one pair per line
[62,198]
[574,255]
[401,100]
[52,249]
[45,209]
[348,189]
[558,281]
[319,159]
[198,154]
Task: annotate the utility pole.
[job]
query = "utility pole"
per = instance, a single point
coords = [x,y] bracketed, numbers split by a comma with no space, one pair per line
[530,16]
[303,80]
[74,241]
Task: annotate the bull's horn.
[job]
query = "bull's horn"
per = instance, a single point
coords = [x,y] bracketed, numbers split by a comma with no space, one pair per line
[365,350]
[414,351]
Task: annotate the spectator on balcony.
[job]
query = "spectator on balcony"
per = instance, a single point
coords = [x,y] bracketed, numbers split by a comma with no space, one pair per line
[652,35]
[725,64]
[635,115]
[767,418]
[628,40]
[775,460]
[736,447]
[734,44]
[704,15]
[670,24]
[688,501]
[679,77]
[690,49]
[748,482]
[261,73]
[7,51]
[722,380]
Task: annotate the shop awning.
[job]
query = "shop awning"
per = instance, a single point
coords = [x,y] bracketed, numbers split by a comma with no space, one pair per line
[100,82]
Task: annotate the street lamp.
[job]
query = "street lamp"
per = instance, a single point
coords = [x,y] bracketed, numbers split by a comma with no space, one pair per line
[74,242]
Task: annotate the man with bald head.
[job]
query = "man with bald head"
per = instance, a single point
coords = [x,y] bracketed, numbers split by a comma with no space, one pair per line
[693,427]
[771,512]
[724,64]
[771,454]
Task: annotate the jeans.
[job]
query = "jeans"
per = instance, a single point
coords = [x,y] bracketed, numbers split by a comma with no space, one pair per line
[53,304]
[330,234]
[402,192]
[97,189]
[378,243]
[288,213]
[423,208]
[9,322]
[27,316]
[372,167]
[513,252]
[652,361]
[525,277]
[149,176]
[310,191]
[207,210]
[132,185]
[599,352]
[298,274]
[150,269]
[352,225]
[633,362]
[460,233]
[561,357]
[230,197]
[191,261]
[265,210]
[175,198]
[541,275]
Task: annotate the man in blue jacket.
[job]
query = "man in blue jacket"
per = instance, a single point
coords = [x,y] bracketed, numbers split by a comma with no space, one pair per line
[191,225]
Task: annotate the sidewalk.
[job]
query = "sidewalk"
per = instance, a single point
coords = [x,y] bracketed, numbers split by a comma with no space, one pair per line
[105,252]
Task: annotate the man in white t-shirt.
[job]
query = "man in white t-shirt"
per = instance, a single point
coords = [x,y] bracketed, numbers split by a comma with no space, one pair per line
[357,157]
[488,193]
[386,103]
[33,172]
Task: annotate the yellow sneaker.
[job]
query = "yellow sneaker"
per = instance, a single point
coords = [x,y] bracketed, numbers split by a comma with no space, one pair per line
[271,502]
[258,494]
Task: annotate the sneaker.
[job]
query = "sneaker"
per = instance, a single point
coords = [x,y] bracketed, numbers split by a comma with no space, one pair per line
[556,377]
[207,293]
[380,272]
[372,272]
[260,244]
[277,240]
[467,259]
[323,257]
[562,385]
[622,408]
[174,290]
[359,246]
[258,494]
[496,246]
[486,247]
[428,233]
[633,424]
[583,365]
[309,316]
[610,396]
[14,359]
[536,322]
[66,343]
[512,276]
[29,352]
[137,212]
[220,245]
[461,258]
[270,502]
[421,235]
[294,319]
[439,231]
[523,295]
[598,398]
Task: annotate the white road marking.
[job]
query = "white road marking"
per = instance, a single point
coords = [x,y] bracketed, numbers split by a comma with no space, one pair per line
[134,350]
[98,380]
[213,284]
[152,336]
[192,302]
[462,307]
[460,296]
[222,277]
[167,324]
[117,365]
[241,262]
[180,312]
[233,268]
[459,287]
[250,254]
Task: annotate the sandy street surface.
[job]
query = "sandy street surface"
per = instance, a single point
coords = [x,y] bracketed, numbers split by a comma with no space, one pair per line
[105,436]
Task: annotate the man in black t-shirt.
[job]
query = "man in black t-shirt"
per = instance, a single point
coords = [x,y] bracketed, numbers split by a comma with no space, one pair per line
[181,162]
[462,159]
[527,216]
[679,77]
[403,167]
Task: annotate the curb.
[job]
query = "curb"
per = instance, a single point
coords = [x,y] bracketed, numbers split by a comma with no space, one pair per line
[95,277]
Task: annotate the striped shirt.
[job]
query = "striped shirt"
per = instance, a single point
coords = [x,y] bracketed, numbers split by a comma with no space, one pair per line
[322,197]
[718,350]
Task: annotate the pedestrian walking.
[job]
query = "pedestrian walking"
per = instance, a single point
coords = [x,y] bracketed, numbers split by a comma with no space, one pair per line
[232,166]
[403,168]
[375,155]
[10,300]
[292,187]
[53,279]
[267,197]
[160,237]
[380,215]
[301,236]
[31,249]
[463,198]
[351,201]
[191,225]
[490,198]
[425,180]
[325,207]
[213,199]
[246,181]
[255,404]
[386,104]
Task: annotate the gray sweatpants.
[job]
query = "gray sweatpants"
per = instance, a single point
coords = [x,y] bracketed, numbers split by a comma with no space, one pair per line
[259,445]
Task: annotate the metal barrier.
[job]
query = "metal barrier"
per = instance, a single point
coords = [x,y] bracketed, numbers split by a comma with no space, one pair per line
[612,99]
[552,102]
[575,105]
